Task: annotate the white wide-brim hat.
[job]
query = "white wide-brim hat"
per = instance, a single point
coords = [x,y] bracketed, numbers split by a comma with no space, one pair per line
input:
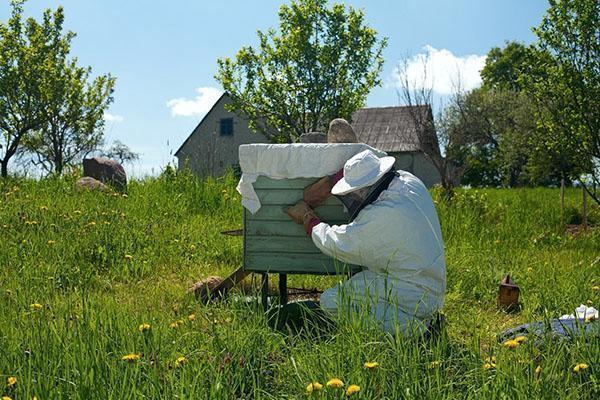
[362,170]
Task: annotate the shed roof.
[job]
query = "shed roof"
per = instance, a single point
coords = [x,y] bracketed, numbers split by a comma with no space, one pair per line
[393,129]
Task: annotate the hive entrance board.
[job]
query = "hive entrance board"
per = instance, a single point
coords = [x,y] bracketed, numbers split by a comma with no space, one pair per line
[274,243]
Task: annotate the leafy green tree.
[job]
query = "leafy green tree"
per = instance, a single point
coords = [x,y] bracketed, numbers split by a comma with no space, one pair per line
[74,110]
[24,48]
[567,91]
[504,67]
[320,65]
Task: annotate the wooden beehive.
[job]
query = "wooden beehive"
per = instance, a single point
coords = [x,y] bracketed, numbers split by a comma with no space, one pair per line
[273,243]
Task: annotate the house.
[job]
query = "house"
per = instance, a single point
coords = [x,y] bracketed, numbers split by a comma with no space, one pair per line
[212,146]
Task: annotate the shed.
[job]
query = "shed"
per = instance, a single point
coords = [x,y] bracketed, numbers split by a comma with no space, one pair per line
[403,132]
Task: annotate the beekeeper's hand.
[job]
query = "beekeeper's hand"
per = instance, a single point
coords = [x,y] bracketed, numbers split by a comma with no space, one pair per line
[300,212]
[318,192]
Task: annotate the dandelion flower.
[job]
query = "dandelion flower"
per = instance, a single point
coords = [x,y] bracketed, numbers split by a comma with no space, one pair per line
[589,302]
[487,366]
[580,368]
[35,306]
[520,339]
[352,389]
[511,344]
[192,317]
[11,381]
[371,365]
[6,398]
[180,361]
[144,327]
[51,241]
[128,257]
[44,208]
[596,288]
[335,383]
[131,358]
[434,364]
[313,387]
[538,371]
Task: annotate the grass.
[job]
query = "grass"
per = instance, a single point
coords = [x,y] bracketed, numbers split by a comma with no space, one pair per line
[80,272]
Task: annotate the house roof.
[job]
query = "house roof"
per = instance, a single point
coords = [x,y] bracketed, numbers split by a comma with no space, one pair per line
[393,129]
[223,97]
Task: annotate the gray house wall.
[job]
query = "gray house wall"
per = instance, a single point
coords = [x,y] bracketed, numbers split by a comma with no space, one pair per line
[206,151]
[417,164]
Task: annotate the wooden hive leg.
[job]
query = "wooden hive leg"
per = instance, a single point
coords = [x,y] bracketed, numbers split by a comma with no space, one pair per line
[265,291]
[283,295]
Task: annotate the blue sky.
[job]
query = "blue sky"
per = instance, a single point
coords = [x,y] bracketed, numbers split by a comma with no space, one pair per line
[164,53]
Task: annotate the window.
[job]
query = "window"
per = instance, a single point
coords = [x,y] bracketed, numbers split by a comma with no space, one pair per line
[226,127]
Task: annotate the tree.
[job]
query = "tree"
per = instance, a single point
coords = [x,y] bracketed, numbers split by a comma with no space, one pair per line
[74,108]
[121,152]
[320,65]
[24,49]
[567,91]
[418,94]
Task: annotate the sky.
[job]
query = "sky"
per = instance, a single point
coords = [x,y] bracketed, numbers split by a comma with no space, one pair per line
[164,53]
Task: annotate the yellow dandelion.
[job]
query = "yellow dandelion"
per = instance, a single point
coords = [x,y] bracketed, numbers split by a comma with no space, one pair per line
[511,344]
[6,398]
[128,257]
[335,383]
[352,389]
[192,248]
[580,368]
[488,366]
[371,365]
[590,302]
[529,269]
[313,387]
[596,288]
[131,358]
[44,208]
[520,339]
[35,306]
[434,364]
[192,317]
[51,241]
[11,381]
[538,371]
[180,361]
[144,327]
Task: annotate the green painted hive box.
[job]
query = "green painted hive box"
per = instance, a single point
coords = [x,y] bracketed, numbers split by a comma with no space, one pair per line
[274,243]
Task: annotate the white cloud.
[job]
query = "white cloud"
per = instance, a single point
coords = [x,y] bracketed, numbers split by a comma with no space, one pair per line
[201,104]
[444,71]
[113,118]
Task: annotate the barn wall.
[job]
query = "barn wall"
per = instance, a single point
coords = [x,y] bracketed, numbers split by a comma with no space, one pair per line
[207,152]
[417,164]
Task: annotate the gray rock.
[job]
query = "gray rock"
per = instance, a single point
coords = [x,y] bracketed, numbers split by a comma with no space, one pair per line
[313,137]
[105,170]
[88,183]
[340,131]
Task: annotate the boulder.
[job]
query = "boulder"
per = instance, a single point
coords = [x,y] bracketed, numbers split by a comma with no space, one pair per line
[106,170]
[89,183]
[340,131]
[313,137]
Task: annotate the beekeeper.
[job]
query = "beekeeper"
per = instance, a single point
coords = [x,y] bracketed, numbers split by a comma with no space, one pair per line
[394,233]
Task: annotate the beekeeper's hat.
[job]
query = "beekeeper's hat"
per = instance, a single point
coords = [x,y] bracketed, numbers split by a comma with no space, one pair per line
[362,170]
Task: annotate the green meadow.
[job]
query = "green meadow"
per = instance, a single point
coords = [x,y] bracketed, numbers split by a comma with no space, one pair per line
[94,302]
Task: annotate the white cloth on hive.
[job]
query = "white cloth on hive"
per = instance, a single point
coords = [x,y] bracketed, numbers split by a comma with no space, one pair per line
[289,161]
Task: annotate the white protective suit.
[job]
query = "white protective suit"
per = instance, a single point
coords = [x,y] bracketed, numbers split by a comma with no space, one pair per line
[397,238]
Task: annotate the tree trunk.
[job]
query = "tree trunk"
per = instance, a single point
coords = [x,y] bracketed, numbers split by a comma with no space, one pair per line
[4,167]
